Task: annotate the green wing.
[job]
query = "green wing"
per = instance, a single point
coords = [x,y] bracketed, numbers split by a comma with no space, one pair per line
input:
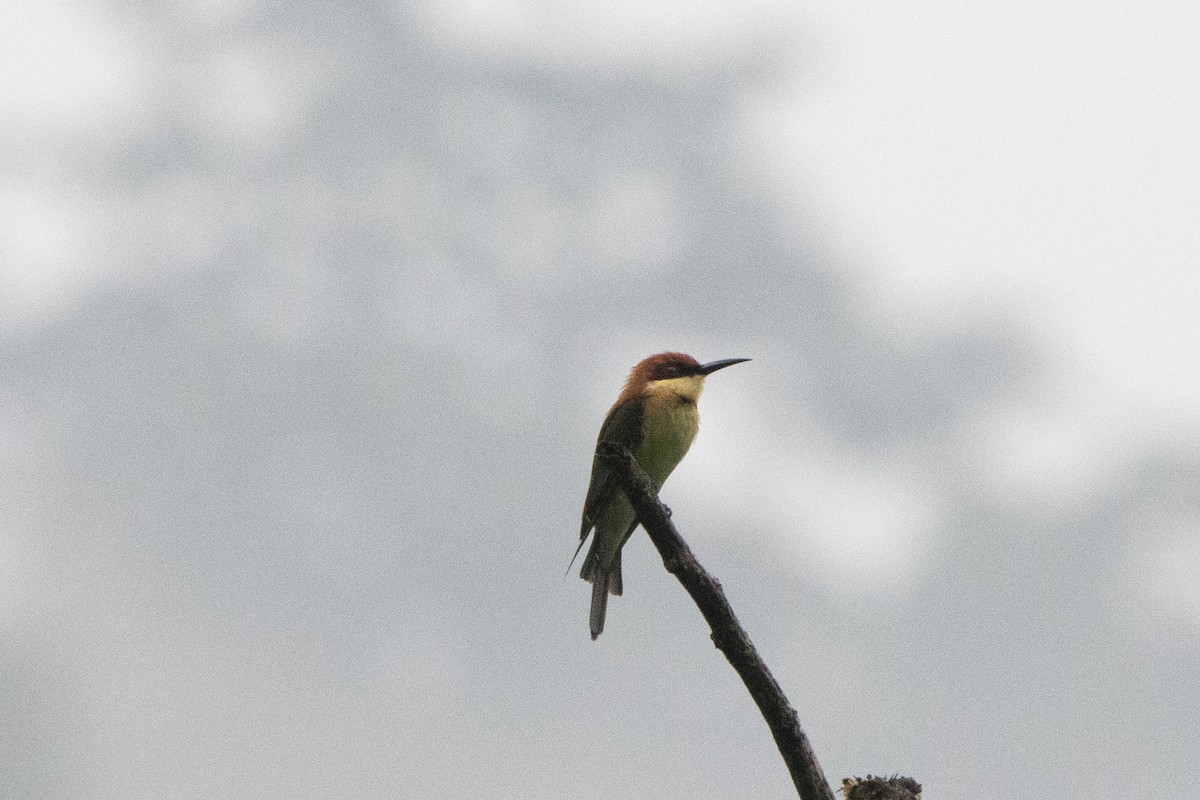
[623,426]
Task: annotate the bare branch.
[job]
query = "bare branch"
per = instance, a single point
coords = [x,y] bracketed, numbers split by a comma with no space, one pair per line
[727,632]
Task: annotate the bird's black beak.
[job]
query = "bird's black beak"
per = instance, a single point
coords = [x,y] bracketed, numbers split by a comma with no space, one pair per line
[713,366]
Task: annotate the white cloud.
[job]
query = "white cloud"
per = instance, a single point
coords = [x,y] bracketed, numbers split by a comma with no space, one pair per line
[862,526]
[68,63]
[1027,161]
[988,154]
[599,35]
[47,256]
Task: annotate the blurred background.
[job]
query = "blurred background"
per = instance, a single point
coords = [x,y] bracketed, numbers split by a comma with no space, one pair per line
[310,312]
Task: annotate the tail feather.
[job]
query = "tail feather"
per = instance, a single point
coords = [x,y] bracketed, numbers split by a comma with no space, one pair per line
[599,606]
[603,584]
[615,584]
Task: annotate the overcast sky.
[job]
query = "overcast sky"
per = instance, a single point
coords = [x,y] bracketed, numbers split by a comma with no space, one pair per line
[309,316]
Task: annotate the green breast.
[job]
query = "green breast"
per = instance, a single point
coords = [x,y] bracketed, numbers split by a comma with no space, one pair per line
[669,425]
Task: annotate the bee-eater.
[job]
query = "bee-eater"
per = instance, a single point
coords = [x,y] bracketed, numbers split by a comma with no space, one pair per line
[655,419]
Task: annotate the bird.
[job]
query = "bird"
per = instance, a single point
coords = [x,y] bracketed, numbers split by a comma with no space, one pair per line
[655,418]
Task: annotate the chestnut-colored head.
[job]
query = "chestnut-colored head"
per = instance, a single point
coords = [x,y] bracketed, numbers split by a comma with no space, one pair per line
[676,372]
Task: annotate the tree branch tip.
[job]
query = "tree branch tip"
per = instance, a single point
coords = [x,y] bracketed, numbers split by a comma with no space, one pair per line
[874,787]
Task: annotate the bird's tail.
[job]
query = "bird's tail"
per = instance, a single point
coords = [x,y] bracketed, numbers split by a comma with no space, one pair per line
[599,606]
[603,584]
